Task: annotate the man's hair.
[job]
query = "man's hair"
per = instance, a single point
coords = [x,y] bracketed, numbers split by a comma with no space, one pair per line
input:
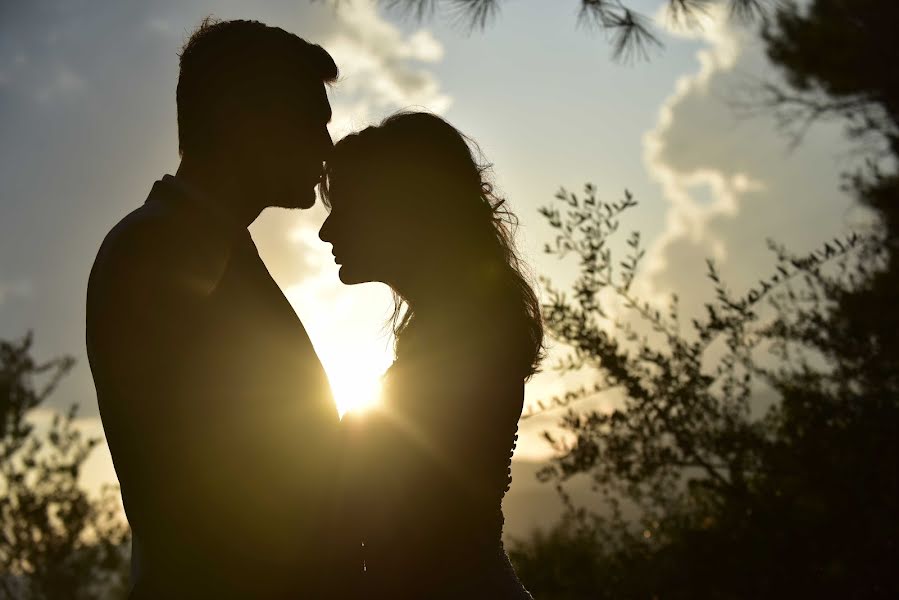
[240,65]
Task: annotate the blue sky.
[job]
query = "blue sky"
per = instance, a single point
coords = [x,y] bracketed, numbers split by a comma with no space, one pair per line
[87,113]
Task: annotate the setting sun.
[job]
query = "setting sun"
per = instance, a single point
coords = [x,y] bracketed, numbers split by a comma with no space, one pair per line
[354,391]
[346,324]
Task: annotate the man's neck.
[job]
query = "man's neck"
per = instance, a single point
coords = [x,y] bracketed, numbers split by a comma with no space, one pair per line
[225,191]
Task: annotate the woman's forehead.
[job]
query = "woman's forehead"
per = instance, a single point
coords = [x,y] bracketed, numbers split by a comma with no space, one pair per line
[357,171]
[343,186]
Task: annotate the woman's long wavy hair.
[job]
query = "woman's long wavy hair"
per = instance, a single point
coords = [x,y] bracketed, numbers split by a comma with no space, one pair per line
[422,158]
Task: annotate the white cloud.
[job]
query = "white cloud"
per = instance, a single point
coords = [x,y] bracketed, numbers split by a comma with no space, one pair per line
[11,67]
[45,83]
[423,46]
[160,26]
[14,289]
[730,183]
[381,69]
[63,82]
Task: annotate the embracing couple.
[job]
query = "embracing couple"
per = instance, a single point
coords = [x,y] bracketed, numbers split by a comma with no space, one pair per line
[238,478]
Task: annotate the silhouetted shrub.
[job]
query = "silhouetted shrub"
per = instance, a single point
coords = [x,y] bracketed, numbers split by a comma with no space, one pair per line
[56,540]
[729,499]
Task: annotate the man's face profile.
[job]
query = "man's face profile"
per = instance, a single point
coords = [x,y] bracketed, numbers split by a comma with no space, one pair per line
[289,145]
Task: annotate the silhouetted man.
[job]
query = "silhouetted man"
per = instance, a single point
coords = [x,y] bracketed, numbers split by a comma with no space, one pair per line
[215,406]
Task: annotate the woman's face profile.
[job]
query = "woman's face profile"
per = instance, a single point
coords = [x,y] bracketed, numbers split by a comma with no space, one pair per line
[371,236]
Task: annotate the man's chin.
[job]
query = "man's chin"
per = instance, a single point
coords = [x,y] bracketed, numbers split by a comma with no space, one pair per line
[306,201]
[301,200]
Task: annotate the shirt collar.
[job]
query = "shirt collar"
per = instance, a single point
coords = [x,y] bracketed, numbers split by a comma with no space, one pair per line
[203,203]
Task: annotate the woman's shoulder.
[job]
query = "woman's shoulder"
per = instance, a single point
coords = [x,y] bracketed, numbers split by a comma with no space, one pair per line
[466,336]
[451,365]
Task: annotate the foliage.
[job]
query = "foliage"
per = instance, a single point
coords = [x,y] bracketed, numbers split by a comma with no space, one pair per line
[837,57]
[703,493]
[834,56]
[756,454]
[56,540]
[630,32]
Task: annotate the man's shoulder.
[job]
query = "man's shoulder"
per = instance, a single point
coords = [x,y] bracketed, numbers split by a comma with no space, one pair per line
[145,232]
[157,240]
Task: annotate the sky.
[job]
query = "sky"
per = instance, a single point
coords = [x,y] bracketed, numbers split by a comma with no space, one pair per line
[87,115]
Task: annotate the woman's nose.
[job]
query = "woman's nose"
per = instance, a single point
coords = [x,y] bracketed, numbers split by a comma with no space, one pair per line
[324,234]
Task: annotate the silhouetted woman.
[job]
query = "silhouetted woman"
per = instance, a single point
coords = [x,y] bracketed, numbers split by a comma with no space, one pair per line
[411,207]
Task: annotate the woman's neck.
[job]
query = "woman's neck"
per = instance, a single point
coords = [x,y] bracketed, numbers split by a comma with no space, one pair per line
[439,283]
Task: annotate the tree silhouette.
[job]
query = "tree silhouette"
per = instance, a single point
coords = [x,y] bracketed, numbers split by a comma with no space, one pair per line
[630,32]
[56,540]
[704,492]
[834,55]
[837,57]
[701,492]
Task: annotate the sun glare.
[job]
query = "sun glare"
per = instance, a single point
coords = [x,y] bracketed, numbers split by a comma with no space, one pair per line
[356,390]
[345,324]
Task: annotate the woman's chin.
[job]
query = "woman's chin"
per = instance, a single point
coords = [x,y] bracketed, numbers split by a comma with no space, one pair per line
[349,277]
